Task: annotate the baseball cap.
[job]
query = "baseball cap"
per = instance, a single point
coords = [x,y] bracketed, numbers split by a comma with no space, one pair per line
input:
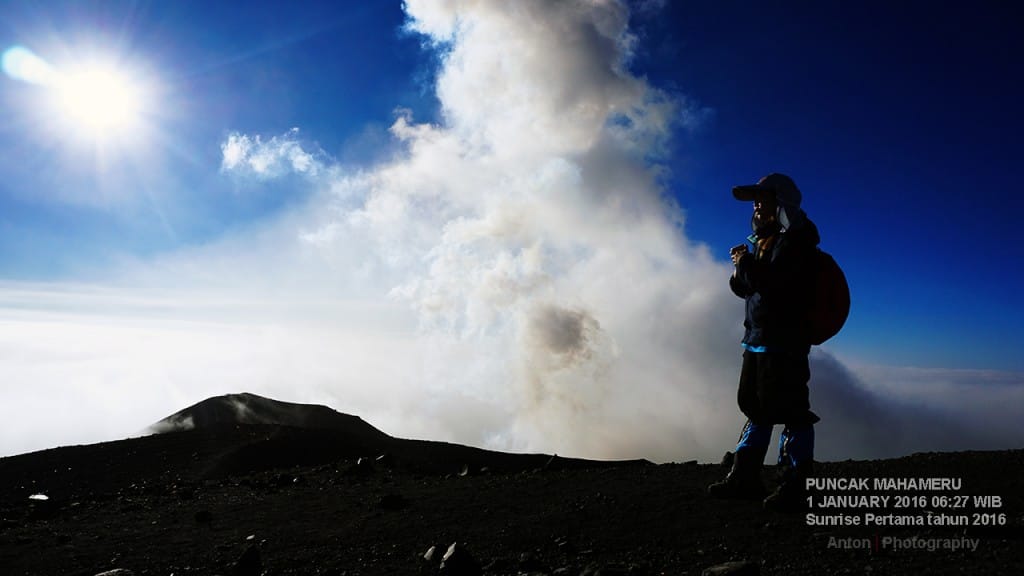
[779,185]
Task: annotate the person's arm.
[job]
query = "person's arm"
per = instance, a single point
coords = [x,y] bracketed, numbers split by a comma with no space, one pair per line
[781,278]
[739,282]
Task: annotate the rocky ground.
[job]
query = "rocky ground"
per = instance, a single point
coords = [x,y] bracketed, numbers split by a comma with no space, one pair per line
[252,498]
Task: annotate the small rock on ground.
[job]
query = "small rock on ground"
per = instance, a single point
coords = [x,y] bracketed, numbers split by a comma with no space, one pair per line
[458,562]
[732,569]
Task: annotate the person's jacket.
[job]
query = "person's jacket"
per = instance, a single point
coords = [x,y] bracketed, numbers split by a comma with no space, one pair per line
[777,284]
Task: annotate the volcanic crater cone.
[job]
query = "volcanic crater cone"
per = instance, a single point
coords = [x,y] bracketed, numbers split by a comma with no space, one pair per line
[258,433]
[247,408]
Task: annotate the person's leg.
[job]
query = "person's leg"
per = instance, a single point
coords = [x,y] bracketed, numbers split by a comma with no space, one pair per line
[744,479]
[796,464]
[754,439]
[747,395]
[796,445]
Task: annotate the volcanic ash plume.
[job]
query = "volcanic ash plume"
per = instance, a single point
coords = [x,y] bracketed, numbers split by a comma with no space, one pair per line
[530,227]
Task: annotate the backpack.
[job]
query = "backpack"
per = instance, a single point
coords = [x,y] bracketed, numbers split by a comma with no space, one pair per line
[831,303]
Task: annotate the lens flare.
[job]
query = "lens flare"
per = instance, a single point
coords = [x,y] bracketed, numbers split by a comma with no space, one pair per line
[22,64]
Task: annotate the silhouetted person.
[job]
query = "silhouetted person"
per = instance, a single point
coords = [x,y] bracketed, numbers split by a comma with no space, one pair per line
[776,280]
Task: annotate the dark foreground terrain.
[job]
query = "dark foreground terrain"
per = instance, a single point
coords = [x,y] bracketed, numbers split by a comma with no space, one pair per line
[262,487]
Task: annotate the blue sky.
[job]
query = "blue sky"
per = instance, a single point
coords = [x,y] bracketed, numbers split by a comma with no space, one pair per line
[900,123]
[219,69]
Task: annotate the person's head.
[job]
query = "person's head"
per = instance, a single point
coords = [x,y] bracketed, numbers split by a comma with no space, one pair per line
[776,199]
[765,208]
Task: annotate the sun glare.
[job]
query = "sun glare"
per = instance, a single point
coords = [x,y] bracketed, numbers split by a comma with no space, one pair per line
[98,100]
[94,100]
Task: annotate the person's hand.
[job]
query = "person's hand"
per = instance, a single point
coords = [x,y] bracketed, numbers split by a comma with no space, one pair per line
[737,252]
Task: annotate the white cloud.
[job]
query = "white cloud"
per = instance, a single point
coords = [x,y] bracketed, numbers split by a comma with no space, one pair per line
[252,156]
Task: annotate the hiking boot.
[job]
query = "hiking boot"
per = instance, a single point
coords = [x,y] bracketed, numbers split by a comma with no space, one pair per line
[743,482]
[791,494]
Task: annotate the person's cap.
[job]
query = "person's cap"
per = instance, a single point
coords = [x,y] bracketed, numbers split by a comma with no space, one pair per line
[780,186]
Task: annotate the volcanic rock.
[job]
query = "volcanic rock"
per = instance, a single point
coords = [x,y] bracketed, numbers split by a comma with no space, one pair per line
[430,554]
[528,562]
[458,562]
[249,563]
[741,568]
[361,468]
[42,509]
[392,502]
[612,570]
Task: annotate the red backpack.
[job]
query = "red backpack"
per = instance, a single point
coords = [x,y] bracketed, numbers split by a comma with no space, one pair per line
[831,303]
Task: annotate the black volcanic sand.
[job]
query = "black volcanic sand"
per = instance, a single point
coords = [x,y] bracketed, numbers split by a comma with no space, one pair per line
[193,502]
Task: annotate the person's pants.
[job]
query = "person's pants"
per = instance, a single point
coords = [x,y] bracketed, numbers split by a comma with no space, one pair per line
[796,444]
[773,389]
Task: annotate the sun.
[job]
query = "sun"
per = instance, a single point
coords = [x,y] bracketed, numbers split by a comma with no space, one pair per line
[99,100]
